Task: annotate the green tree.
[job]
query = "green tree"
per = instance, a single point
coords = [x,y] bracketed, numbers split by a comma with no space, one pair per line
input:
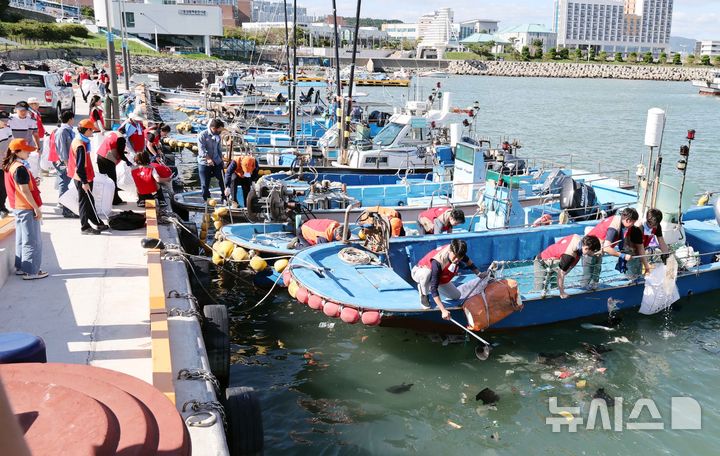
[552,54]
[591,53]
[87,11]
[690,59]
[578,54]
[632,57]
[648,58]
[525,53]
[663,58]
[716,61]
[618,57]
[537,45]
[564,53]
[603,56]
[705,60]
[677,59]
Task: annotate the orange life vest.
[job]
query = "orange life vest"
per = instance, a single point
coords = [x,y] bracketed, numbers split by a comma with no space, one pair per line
[15,197]
[318,228]
[442,256]
[391,215]
[72,162]
[244,165]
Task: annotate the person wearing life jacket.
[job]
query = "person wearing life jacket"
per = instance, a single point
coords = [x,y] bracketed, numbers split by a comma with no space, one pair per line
[147,180]
[110,153]
[24,198]
[440,219]
[620,238]
[242,171]
[81,171]
[652,237]
[560,258]
[134,131]
[319,231]
[393,217]
[435,271]
[153,141]
[97,114]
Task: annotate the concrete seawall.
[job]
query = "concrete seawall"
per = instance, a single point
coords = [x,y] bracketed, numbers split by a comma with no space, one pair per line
[577,70]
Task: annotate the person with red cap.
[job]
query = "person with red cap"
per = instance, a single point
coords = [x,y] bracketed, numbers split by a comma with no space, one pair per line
[80,170]
[24,198]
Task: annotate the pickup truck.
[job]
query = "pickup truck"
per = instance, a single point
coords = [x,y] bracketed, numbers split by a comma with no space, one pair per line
[55,96]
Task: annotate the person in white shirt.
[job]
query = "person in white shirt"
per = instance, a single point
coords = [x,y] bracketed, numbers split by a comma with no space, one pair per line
[5,138]
[23,125]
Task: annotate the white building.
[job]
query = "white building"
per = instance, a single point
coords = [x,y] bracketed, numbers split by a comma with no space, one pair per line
[186,25]
[401,31]
[437,34]
[526,34]
[614,25]
[266,11]
[707,47]
[367,36]
[486,26]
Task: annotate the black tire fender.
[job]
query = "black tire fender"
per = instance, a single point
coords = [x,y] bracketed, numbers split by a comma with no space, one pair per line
[216,334]
[244,419]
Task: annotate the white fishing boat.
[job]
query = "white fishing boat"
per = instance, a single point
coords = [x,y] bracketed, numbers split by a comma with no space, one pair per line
[709,86]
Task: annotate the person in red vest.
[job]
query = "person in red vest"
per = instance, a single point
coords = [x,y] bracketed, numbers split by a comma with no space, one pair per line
[134,132]
[652,236]
[83,76]
[318,231]
[110,153]
[560,258]
[104,81]
[440,219]
[81,171]
[619,238]
[147,180]
[24,198]
[34,105]
[242,171]
[435,271]
[96,113]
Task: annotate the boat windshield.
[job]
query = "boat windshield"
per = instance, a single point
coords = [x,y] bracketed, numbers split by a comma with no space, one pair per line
[387,135]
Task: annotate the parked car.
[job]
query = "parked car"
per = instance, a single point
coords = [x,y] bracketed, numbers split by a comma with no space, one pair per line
[55,96]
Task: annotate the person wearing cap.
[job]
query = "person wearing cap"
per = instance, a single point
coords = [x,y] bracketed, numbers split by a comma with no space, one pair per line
[34,105]
[5,138]
[133,130]
[210,162]
[24,198]
[23,125]
[110,153]
[60,142]
[80,169]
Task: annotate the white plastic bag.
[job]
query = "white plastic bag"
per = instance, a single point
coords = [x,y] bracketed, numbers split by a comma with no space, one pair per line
[103,193]
[45,164]
[34,161]
[124,178]
[661,290]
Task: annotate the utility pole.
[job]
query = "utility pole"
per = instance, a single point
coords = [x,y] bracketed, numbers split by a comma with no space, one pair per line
[125,49]
[111,65]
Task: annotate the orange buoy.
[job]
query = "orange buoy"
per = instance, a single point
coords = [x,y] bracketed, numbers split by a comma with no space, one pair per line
[315,302]
[331,309]
[286,277]
[349,315]
[302,295]
[371,317]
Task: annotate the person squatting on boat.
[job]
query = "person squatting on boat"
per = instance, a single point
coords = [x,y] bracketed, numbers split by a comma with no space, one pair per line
[210,161]
[393,218]
[440,219]
[560,258]
[242,171]
[620,238]
[318,231]
[24,198]
[435,271]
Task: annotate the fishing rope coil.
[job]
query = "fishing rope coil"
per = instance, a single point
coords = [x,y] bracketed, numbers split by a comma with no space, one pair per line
[353,255]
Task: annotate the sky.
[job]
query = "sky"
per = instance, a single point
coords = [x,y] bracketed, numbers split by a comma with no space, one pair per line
[697,19]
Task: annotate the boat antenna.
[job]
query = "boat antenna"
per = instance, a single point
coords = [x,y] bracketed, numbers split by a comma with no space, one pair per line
[292,105]
[351,81]
[338,83]
[287,54]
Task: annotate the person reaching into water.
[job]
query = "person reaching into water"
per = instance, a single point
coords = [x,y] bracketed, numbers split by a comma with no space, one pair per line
[435,271]
[652,236]
[560,258]
[619,238]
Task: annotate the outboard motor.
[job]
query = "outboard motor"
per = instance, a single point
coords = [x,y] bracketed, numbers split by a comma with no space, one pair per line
[579,200]
[270,200]
[554,182]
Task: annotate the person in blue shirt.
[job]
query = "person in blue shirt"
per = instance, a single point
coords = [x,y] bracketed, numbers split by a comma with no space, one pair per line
[210,162]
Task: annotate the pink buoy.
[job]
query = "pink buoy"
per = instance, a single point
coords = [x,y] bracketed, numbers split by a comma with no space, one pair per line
[287,277]
[349,315]
[315,302]
[371,318]
[302,295]
[331,309]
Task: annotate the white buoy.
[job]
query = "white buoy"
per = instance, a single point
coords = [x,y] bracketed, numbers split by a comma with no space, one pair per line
[717,211]
[654,127]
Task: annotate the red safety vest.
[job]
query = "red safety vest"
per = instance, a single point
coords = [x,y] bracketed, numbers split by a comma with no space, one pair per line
[108,144]
[442,256]
[565,246]
[144,180]
[137,139]
[435,212]
[15,197]
[602,228]
[647,238]
[244,165]
[163,171]
[38,121]
[72,161]
[52,151]
[318,228]
[100,115]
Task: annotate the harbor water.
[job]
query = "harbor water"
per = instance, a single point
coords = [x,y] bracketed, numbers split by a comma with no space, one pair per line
[324,385]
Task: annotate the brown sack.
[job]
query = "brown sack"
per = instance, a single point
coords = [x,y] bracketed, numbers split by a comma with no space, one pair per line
[503,298]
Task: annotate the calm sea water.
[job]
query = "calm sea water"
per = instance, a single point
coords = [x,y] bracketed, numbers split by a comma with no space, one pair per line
[323,389]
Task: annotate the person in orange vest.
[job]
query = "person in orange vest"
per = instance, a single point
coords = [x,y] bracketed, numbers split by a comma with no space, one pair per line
[440,219]
[110,153]
[393,217]
[560,258]
[80,170]
[435,271]
[318,231]
[242,171]
[147,180]
[24,198]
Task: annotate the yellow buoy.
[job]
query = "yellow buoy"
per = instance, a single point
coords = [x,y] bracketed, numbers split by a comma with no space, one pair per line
[293,288]
[222,212]
[280,265]
[223,248]
[218,224]
[217,259]
[195,148]
[214,217]
[239,254]
[361,234]
[212,202]
[258,263]
[704,199]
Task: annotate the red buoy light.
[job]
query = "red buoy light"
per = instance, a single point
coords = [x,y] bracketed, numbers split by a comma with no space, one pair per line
[691,135]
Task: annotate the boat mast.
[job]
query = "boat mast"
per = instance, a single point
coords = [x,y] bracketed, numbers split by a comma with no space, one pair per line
[351,81]
[293,105]
[287,55]
[338,84]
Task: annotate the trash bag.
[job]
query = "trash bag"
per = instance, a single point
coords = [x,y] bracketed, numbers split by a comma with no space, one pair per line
[127,221]
[103,193]
[34,162]
[45,163]
[661,290]
[125,180]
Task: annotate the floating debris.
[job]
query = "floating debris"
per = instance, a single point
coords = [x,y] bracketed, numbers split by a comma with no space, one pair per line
[454,424]
[601,394]
[487,396]
[568,416]
[326,324]
[399,389]
[581,384]
[592,326]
